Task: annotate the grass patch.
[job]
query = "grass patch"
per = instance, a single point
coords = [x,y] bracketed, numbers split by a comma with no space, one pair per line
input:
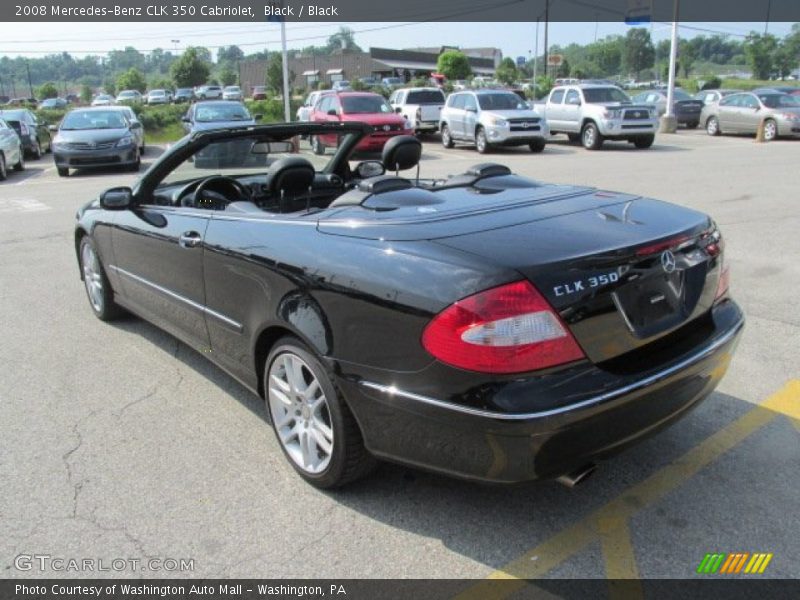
[164,135]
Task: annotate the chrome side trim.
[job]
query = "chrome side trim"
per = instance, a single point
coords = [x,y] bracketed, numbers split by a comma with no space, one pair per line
[195,305]
[390,390]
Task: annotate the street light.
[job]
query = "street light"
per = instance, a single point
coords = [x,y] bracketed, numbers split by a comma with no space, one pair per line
[175,43]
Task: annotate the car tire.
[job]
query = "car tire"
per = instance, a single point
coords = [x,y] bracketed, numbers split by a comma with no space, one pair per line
[712,126]
[50,145]
[3,168]
[36,151]
[692,125]
[314,426]
[447,140]
[537,146]
[20,166]
[63,171]
[143,149]
[770,130]
[481,143]
[134,168]
[644,141]
[591,137]
[98,289]
[316,146]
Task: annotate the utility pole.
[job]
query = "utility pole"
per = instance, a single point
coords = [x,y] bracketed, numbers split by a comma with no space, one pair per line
[287,111]
[766,24]
[546,27]
[30,83]
[669,124]
[536,55]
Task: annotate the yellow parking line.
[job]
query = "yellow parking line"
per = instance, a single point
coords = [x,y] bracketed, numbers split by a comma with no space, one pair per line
[573,539]
[620,559]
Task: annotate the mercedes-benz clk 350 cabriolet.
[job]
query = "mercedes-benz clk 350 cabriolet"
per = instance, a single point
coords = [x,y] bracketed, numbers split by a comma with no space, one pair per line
[484,325]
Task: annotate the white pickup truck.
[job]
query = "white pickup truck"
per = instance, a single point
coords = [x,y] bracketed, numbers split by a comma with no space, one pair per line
[420,106]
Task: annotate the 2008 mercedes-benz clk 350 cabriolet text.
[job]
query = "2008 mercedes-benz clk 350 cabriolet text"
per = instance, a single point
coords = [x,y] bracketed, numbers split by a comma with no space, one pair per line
[486,325]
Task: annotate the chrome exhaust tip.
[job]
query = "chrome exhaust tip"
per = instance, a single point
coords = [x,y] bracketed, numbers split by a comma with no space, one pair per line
[578,476]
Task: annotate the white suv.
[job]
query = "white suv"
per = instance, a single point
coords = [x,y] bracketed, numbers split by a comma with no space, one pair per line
[489,118]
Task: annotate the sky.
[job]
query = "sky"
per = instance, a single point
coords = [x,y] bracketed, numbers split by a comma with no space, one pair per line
[514,39]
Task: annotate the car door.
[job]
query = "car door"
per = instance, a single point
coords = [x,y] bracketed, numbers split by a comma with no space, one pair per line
[749,114]
[188,119]
[158,258]
[554,111]
[571,110]
[470,116]
[455,115]
[40,127]
[726,114]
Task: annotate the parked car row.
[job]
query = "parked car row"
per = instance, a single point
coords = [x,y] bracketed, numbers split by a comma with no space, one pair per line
[12,154]
[744,112]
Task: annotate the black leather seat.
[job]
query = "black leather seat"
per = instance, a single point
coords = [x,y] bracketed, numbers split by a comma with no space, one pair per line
[401,152]
[290,178]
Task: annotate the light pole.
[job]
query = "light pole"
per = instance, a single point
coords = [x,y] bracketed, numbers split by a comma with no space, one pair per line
[669,123]
[175,45]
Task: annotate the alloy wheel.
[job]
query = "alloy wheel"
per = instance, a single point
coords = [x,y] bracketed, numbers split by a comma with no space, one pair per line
[300,413]
[770,131]
[92,277]
[712,127]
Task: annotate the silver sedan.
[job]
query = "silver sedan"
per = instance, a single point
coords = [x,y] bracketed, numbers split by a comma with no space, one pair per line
[744,112]
[11,154]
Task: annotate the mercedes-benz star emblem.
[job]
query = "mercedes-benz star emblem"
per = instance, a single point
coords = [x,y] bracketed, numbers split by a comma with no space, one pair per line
[668,261]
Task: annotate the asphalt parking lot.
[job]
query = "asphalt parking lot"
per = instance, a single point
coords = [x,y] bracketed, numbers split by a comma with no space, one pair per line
[120,442]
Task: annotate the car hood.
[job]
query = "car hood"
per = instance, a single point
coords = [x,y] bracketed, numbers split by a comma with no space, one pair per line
[196,126]
[512,114]
[91,135]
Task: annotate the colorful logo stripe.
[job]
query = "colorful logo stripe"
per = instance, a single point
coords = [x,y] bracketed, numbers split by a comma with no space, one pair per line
[734,563]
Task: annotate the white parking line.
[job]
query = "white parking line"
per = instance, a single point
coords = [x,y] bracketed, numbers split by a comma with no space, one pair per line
[23,205]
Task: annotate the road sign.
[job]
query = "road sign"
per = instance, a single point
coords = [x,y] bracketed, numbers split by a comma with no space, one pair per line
[639,12]
[555,60]
[521,60]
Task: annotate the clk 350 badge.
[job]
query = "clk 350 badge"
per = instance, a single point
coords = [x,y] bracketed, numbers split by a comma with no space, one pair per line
[581,285]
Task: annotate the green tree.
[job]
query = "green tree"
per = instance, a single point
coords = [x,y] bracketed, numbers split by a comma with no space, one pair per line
[161,83]
[638,51]
[343,41]
[229,54]
[454,65]
[564,69]
[785,59]
[275,73]
[109,87]
[48,90]
[688,52]
[760,53]
[190,69]
[507,72]
[227,76]
[132,79]
[86,94]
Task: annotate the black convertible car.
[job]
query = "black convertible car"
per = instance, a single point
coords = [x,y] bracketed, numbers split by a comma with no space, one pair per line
[486,325]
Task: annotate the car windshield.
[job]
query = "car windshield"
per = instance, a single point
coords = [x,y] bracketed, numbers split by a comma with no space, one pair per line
[158,93]
[210,113]
[779,101]
[231,88]
[103,97]
[184,90]
[365,104]
[93,119]
[393,80]
[126,94]
[681,95]
[605,94]
[425,97]
[501,101]
[240,156]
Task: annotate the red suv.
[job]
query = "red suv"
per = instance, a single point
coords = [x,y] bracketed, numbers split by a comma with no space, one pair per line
[365,108]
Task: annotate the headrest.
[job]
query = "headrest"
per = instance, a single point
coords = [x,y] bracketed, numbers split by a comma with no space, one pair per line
[401,152]
[292,175]
[383,183]
[488,170]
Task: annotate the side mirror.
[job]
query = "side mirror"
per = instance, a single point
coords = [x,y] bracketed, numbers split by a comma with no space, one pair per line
[118,198]
[258,117]
[136,125]
[186,119]
[332,112]
[370,168]
[398,110]
[471,109]
[575,101]
[52,128]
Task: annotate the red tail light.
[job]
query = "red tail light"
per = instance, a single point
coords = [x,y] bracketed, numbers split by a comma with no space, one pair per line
[508,329]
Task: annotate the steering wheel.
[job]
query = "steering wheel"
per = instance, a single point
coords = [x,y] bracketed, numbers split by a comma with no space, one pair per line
[227,190]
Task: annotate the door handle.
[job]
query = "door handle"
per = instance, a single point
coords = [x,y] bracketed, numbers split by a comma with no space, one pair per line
[190,239]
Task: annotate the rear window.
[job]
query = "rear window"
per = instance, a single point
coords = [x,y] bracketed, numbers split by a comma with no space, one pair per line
[208,113]
[365,104]
[425,97]
[779,100]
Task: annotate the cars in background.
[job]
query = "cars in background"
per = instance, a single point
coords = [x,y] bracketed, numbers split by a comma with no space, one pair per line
[369,81]
[11,152]
[103,100]
[232,92]
[96,137]
[341,86]
[129,97]
[259,92]
[594,112]
[421,106]
[183,95]
[686,109]
[711,96]
[32,131]
[53,103]
[489,118]
[23,102]
[392,82]
[780,89]
[137,131]
[305,110]
[744,112]
[364,107]
[209,92]
[156,97]
[215,114]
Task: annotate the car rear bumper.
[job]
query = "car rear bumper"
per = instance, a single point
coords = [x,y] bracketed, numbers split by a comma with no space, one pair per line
[496,446]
